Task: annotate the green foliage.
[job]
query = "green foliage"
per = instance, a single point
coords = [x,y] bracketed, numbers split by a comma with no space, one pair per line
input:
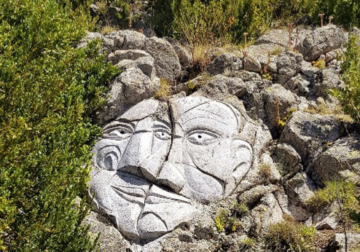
[228,220]
[320,64]
[49,92]
[344,192]
[208,20]
[290,236]
[349,95]
[203,23]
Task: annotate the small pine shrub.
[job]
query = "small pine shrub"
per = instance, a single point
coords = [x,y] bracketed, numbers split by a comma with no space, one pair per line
[349,95]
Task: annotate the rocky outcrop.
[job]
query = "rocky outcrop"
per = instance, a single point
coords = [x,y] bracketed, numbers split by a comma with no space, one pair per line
[321,41]
[236,142]
[166,60]
[308,133]
[340,160]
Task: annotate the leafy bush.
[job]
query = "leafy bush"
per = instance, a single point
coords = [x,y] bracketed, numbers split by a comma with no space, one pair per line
[349,94]
[345,193]
[49,92]
[290,236]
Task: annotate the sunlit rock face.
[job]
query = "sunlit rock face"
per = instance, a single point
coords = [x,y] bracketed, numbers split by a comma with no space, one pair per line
[158,161]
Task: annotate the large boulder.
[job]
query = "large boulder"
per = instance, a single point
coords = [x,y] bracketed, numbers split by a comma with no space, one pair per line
[299,189]
[308,133]
[288,65]
[167,63]
[321,41]
[287,160]
[227,64]
[127,39]
[277,36]
[328,79]
[340,160]
[128,88]
[277,103]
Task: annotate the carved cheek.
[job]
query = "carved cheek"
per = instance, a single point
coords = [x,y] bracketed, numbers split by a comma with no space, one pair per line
[108,153]
[212,158]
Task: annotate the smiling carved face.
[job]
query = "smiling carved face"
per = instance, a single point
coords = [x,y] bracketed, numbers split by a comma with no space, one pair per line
[153,162]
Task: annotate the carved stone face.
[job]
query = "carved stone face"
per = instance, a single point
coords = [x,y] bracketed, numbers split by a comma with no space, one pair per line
[154,162]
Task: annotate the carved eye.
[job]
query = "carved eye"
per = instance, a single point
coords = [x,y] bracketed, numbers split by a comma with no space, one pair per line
[202,137]
[118,133]
[162,134]
[108,158]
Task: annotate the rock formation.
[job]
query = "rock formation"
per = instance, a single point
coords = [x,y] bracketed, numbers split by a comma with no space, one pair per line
[163,168]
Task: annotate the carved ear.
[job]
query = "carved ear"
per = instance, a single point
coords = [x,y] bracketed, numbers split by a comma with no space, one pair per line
[242,155]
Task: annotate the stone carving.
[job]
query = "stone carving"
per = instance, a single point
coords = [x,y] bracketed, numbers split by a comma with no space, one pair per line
[158,161]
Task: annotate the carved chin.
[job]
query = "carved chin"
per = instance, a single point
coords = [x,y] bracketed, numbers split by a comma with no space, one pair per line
[142,211]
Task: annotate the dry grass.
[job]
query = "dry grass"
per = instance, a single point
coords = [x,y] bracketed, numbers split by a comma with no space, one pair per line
[107,30]
[164,90]
[337,112]
[265,170]
[320,63]
[276,51]
[200,56]
[102,5]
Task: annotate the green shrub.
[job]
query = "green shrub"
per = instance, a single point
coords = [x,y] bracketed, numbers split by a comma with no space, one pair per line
[290,236]
[184,18]
[345,193]
[349,95]
[228,220]
[49,92]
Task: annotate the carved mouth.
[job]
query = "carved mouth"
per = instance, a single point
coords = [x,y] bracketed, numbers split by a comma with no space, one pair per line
[132,194]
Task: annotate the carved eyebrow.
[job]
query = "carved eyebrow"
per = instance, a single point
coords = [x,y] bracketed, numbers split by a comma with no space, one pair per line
[162,124]
[116,124]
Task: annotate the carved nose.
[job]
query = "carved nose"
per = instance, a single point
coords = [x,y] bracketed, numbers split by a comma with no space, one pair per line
[176,151]
[137,150]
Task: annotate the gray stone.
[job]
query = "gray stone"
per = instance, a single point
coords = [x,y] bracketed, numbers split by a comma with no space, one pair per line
[251,64]
[220,86]
[247,76]
[287,160]
[353,241]
[329,223]
[277,102]
[321,41]
[266,55]
[299,84]
[342,155]
[328,79]
[110,239]
[226,64]
[308,70]
[184,55]
[132,39]
[266,213]
[334,55]
[119,55]
[130,87]
[288,64]
[277,36]
[299,189]
[167,63]
[307,133]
